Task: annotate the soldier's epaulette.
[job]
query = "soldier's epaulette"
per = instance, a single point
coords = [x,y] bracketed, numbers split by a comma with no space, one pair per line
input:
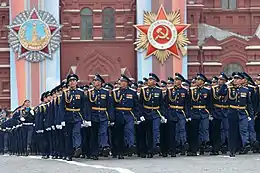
[91,89]
[252,86]
[230,86]
[132,89]
[192,88]
[115,89]
[207,88]
[79,89]
[105,89]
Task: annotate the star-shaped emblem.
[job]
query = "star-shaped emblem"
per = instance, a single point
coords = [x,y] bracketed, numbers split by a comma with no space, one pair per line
[162,32]
[34,35]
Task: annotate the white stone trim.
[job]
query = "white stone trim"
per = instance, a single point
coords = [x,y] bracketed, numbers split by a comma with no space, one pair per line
[75,38]
[211,48]
[75,27]
[4,66]
[71,10]
[120,26]
[123,10]
[193,47]
[195,5]
[97,10]
[120,37]
[4,49]
[129,22]
[253,63]
[193,63]
[97,26]
[97,38]
[252,47]
[129,35]
[212,63]
[5,98]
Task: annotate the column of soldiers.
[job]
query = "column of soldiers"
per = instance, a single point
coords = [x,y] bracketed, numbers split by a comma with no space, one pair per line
[149,117]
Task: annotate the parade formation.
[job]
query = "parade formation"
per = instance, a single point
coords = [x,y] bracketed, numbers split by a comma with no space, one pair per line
[150,117]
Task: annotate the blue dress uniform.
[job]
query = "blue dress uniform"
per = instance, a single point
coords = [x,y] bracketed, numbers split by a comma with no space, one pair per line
[101,113]
[240,108]
[200,110]
[126,114]
[219,113]
[2,134]
[151,103]
[72,113]
[176,102]
[251,123]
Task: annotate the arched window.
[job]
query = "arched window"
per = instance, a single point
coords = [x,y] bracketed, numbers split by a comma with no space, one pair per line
[229,4]
[108,23]
[233,67]
[86,29]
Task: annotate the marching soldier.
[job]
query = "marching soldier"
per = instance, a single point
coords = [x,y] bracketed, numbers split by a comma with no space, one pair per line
[257,114]
[101,114]
[252,87]
[240,109]
[219,113]
[176,102]
[151,99]
[126,114]
[200,108]
[73,114]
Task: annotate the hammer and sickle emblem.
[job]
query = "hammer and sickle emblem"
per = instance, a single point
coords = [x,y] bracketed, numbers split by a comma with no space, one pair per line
[161,34]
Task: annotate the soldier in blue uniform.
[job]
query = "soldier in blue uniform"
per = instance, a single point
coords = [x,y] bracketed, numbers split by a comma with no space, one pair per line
[101,114]
[73,114]
[151,100]
[200,110]
[252,87]
[176,102]
[257,114]
[240,109]
[170,82]
[219,113]
[125,102]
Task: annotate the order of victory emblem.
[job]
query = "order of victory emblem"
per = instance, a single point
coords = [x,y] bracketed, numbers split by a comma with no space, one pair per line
[34,35]
[162,35]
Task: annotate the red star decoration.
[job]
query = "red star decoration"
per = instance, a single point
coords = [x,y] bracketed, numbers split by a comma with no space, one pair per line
[34,16]
[161,15]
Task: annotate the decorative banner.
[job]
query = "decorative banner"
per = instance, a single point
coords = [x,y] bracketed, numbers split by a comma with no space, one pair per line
[162,35]
[34,35]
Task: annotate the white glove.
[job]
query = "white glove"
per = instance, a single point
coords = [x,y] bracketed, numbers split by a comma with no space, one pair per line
[88,123]
[63,123]
[59,126]
[188,119]
[163,120]
[137,122]
[53,127]
[111,124]
[249,118]
[48,129]
[142,118]
[211,117]
[22,119]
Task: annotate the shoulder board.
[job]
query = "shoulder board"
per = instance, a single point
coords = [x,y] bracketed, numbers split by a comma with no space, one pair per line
[144,87]
[66,90]
[79,89]
[115,89]
[230,86]
[91,89]
[193,88]
[132,89]
[105,89]
[252,86]
[207,88]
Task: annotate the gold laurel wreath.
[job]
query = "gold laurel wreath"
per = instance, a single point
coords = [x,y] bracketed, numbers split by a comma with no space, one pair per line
[162,55]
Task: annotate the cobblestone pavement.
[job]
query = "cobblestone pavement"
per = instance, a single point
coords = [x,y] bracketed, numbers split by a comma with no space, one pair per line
[200,164]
